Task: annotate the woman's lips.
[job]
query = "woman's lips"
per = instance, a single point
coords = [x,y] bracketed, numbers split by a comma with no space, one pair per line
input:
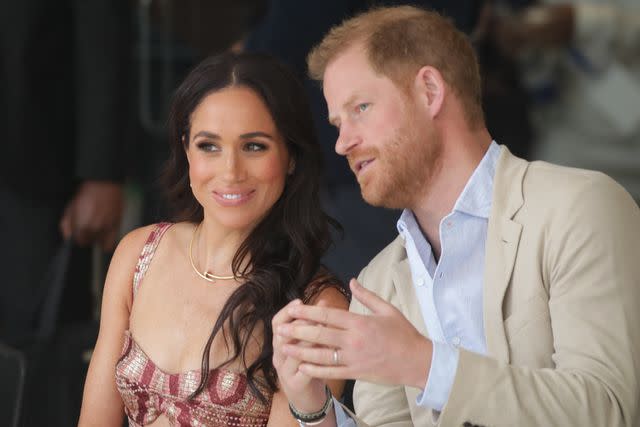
[233,198]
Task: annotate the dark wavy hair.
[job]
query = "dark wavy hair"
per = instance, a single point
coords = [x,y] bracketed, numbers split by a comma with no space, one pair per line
[286,246]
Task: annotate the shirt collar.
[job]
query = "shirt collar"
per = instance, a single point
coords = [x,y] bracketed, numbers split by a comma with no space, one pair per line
[475,199]
[408,225]
[477,194]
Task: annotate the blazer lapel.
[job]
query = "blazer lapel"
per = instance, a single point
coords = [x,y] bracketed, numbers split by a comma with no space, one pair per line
[503,237]
[407,298]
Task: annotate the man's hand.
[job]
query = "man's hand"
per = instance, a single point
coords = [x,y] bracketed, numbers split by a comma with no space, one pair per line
[383,347]
[94,214]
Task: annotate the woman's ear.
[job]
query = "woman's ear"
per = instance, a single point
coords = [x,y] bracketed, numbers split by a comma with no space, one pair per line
[292,166]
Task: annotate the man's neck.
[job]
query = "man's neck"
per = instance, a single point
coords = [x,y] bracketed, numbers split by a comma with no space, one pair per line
[460,157]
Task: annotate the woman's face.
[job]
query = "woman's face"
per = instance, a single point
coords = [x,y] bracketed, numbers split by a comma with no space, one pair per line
[238,161]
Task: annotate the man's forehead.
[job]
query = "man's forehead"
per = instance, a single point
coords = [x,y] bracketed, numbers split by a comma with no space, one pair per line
[344,75]
[351,56]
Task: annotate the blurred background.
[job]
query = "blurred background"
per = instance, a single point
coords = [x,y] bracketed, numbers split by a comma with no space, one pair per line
[85,86]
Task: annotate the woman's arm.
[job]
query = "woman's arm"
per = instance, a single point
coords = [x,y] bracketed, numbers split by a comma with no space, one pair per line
[280,414]
[101,402]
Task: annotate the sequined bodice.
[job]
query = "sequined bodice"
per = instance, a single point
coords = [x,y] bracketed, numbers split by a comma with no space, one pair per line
[148,391]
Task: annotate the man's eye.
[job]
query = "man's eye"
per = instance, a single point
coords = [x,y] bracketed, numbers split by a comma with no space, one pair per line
[255,146]
[207,146]
[363,107]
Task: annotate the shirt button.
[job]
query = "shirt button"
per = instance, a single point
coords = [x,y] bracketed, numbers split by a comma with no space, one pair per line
[420,281]
[455,341]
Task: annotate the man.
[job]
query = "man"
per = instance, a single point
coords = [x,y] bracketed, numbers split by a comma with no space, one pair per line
[510,296]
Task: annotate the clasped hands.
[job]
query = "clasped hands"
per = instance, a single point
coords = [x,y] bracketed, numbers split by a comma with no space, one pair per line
[382,347]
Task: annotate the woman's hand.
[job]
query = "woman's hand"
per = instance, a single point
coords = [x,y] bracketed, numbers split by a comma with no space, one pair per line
[305,393]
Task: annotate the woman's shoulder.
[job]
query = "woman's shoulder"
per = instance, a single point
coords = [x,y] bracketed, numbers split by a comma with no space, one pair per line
[135,240]
[327,287]
[141,239]
[136,246]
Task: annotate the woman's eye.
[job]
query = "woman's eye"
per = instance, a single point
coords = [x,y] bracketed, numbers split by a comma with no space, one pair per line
[207,146]
[255,146]
[363,107]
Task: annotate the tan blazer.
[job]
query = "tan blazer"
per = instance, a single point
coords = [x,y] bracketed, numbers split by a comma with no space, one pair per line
[561,309]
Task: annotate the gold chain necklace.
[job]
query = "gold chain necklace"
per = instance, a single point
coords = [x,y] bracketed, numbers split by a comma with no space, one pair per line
[209,277]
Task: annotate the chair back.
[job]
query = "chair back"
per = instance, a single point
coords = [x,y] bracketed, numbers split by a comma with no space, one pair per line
[12,377]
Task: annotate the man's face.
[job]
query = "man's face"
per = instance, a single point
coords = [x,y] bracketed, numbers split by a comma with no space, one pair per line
[385,133]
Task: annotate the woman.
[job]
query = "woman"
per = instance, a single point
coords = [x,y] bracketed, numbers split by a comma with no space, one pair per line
[244,178]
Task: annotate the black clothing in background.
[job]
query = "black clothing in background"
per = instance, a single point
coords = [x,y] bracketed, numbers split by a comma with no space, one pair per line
[62,75]
[62,69]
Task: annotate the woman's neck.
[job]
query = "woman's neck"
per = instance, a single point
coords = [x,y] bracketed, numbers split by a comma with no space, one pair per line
[215,247]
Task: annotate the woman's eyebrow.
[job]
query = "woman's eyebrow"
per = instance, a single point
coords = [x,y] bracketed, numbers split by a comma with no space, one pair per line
[256,134]
[206,134]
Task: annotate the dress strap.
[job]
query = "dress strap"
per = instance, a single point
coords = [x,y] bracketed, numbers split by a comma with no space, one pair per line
[322,280]
[147,253]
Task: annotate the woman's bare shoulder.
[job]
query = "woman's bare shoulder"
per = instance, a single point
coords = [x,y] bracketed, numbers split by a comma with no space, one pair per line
[124,260]
[132,244]
[328,289]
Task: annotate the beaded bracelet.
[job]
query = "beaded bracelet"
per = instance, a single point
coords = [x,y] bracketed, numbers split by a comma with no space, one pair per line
[314,418]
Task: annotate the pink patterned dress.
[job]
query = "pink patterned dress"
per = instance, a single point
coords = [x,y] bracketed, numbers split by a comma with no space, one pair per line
[149,392]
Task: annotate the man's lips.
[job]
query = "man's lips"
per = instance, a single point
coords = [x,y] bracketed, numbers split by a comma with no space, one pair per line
[361,165]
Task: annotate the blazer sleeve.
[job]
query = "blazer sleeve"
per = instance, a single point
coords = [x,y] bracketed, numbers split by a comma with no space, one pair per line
[378,405]
[591,268]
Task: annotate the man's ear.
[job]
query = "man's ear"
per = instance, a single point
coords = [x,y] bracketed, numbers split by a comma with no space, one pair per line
[292,166]
[431,89]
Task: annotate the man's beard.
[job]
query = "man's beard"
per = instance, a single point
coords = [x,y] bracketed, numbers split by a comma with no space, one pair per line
[405,168]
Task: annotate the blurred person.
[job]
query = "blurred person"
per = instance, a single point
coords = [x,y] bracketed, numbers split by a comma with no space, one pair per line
[509,296]
[580,59]
[185,335]
[62,68]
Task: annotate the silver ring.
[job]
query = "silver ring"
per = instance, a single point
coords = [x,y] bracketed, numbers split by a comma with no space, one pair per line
[336,357]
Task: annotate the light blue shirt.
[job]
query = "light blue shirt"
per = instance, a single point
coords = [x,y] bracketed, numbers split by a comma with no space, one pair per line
[450,291]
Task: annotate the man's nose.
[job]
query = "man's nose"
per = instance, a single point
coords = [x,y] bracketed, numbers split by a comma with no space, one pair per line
[347,139]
